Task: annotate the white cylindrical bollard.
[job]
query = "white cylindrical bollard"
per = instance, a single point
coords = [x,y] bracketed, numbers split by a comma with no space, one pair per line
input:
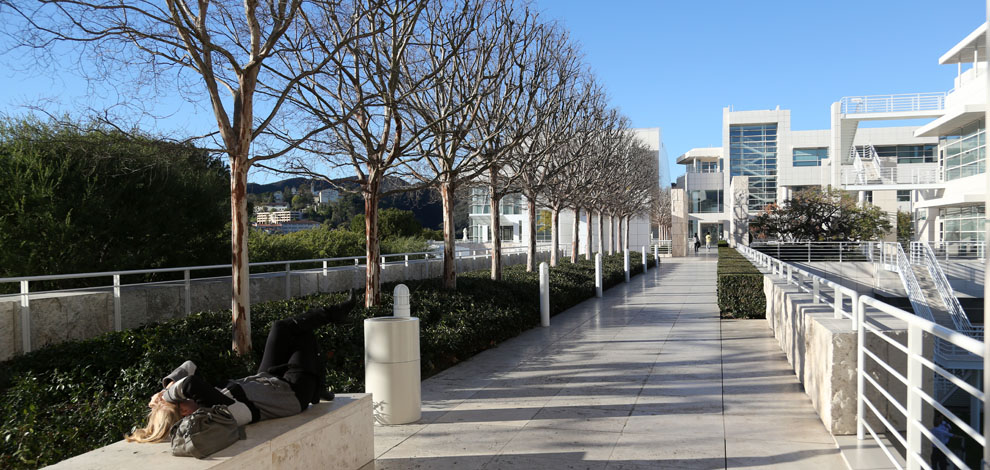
[645,267]
[544,294]
[656,254]
[625,263]
[391,368]
[400,301]
[598,274]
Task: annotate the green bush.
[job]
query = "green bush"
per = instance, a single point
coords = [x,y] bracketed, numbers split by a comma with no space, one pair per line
[739,286]
[70,398]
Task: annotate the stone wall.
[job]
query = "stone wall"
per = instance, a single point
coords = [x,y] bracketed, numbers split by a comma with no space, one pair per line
[822,351]
[68,316]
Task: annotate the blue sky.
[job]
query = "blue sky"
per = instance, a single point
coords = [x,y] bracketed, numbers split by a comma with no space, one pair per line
[676,64]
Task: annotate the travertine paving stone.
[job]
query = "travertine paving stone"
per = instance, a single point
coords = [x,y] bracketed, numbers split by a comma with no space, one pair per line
[647,377]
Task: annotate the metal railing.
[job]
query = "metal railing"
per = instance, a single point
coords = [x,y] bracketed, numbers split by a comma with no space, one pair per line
[661,247]
[922,255]
[188,277]
[958,251]
[864,312]
[866,169]
[893,103]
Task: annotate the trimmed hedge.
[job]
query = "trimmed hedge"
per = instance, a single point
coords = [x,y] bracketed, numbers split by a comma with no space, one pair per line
[739,287]
[73,397]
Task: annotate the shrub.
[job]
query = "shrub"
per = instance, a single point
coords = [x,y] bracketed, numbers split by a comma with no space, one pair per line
[739,286]
[70,398]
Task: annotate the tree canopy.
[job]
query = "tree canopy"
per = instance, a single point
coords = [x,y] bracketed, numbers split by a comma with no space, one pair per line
[818,214]
[77,198]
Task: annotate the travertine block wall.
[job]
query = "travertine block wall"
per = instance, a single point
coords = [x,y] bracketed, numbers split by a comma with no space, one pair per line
[61,317]
[822,351]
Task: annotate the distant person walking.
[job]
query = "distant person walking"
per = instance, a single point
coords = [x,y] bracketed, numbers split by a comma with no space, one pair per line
[697,243]
[708,241]
[942,432]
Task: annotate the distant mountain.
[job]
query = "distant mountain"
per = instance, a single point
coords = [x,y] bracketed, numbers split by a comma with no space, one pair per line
[424,203]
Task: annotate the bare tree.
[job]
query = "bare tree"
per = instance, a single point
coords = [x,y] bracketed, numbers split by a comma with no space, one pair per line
[223,50]
[638,179]
[518,103]
[660,213]
[369,90]
[452,155]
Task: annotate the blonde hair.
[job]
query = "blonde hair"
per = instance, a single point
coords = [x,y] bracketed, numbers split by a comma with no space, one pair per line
[160,420]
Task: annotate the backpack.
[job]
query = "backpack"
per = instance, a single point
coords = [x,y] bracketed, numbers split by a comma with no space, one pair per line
[204,432]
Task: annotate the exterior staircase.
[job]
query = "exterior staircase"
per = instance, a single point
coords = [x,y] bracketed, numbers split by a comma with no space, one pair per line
[940,312]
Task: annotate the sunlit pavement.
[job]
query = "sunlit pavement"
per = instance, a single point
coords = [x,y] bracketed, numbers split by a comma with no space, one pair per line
[647,377]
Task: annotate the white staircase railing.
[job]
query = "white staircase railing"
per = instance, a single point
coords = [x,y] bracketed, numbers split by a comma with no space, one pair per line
[922,255]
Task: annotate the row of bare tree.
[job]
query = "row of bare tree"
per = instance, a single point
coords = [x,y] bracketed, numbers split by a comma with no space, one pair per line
[447,93]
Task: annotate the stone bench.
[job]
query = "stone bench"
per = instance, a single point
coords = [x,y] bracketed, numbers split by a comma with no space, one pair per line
[338,434]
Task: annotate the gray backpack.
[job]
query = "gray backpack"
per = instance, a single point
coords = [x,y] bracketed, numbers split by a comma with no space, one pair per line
[204,432]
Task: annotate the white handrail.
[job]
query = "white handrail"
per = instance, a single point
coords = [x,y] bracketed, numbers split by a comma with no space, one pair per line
[913,376]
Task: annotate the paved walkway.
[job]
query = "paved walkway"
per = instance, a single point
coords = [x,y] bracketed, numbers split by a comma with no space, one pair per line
[647,377]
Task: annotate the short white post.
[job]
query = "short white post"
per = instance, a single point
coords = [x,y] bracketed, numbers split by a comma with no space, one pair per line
[645,267]
[656,254]
[625,259]
[288,285]
[788,278]
[188,288]
[837,305]
[116,303]
[400,301]
[325,268]
[26,316]
[544,294]
[816,289]
[598,275]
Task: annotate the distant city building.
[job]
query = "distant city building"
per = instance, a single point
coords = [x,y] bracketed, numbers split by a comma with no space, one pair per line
[278,197]
[327,196]
[270,208]
[276,217]
[287,226]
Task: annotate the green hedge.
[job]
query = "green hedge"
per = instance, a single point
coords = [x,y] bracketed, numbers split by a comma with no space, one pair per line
[739,286]
[73,397]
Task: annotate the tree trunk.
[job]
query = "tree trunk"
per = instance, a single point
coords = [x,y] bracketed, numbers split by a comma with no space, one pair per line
[576,235]
[240,305]
[625,239]
[619,241]
[372,290]
[587,235]
[601,233]
[555,237]
[449,236]
[611,234]
[531,247]
[496,236]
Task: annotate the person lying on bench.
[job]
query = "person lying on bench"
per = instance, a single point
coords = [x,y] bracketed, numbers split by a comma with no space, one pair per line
[289,379]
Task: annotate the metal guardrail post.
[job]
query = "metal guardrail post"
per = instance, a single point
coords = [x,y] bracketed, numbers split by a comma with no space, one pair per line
[325,273]
[836,302]
[809,252]
[25,316]
[816,283]
[188,288]
[855,306]
[788,278]
[288,282]
[116,303]
[840,252]
[860,374]
[914,400]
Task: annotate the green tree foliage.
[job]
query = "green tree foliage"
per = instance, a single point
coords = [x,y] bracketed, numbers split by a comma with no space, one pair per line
[83,199]
[820,215]
[391,223]
[905,227]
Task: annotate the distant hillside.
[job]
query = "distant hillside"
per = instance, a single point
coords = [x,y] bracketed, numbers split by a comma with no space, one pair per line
[425,204]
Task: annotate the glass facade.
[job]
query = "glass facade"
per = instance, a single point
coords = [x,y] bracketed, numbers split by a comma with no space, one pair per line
[753,153]
[511,204]
[903,195]
[963,153]
[479,201]
[706,201]
[903,153]
[810,156]
[544,225]
[705,167]
[962,224]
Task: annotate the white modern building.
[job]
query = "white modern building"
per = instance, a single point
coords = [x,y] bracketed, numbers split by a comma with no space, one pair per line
[514,215]
[277,217]
[327,196]
[934,171]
